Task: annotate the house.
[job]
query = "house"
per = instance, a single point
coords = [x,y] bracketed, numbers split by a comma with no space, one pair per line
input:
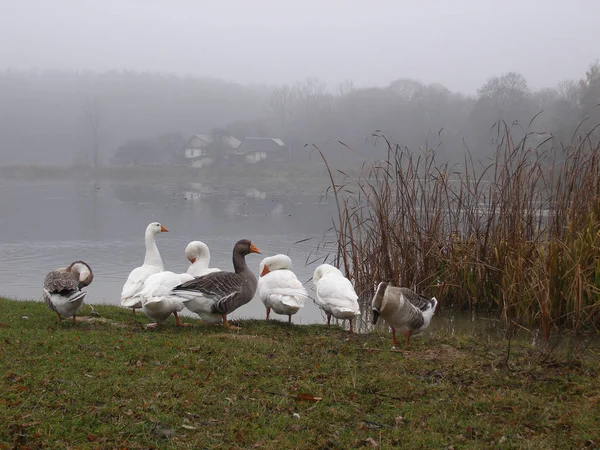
[255,149]
[200,149]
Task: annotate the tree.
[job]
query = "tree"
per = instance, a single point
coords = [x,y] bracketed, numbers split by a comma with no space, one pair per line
[506,92]
[280,105]
[589,100]
[137,152]
[406,88]
[92,113]
[344,88]
[170,148]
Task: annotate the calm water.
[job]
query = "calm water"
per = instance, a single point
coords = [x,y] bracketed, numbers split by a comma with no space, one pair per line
[47,225]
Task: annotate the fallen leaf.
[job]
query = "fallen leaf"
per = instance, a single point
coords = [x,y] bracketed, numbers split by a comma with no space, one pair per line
[91,438]
[307,397]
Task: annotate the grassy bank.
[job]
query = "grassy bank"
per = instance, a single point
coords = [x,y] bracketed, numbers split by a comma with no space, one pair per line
[518,234]
[108,383]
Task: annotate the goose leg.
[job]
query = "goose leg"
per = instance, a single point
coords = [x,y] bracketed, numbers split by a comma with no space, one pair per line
[328,320]
[351,329]
[133,311]
[58,315]
[226,324]
[407,338]
[289,318]
[178,321]
[268,312]
[394,341]
[74,320]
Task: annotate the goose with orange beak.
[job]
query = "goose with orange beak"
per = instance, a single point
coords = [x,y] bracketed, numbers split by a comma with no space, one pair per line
[279,288]
[215,295]
[198,255]
[152,264]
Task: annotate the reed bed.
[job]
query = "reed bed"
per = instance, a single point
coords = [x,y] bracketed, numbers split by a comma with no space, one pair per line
[517,235]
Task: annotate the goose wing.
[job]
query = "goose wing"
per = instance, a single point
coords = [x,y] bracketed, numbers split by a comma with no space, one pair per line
[418,301]
[225,288]
[60,281]
[338,292]
[282,286]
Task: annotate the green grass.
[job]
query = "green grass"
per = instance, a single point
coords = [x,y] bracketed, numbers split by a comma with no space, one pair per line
[109,383]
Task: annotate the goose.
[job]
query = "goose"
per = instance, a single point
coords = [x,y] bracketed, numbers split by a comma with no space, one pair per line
[198,254]
[279,288]
[217,294]
[335,294]
[62,288]
[152,264]
[403,309]
[157,301]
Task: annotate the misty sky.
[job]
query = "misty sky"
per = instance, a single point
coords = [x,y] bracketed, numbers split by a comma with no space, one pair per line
[459,43]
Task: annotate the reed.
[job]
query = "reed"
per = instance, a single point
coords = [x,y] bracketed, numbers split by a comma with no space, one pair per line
[518,235]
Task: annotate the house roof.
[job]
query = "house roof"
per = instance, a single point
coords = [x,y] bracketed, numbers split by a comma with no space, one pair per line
[202,140]
[254,144]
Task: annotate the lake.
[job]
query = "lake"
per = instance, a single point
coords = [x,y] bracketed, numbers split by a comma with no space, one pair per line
[47,225]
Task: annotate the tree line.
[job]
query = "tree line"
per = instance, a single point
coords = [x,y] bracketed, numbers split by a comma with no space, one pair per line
[64,118]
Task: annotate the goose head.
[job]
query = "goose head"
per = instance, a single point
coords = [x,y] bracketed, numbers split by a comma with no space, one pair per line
[244,247]
[276,262]
[197,250]
[325,269]
[83,272]
[379,300]
[155,228]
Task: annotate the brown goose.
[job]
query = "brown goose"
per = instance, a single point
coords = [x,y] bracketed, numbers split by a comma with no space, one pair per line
[402,309]
[62,288]
[214,295]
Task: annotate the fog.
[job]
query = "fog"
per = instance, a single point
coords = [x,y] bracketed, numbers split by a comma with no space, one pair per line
[459,44]
[304,72]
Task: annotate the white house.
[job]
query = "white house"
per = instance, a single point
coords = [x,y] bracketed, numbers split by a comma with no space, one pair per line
[258,149]
[197,151]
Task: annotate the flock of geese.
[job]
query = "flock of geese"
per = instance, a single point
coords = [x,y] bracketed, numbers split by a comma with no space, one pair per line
[213,294]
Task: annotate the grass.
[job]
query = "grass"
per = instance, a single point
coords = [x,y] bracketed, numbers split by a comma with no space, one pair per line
[518,234]
[108,383]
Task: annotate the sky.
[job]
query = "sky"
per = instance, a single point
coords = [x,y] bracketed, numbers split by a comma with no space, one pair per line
[458,43]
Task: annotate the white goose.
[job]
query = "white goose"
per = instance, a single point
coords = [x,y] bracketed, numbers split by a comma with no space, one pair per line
[402,309]
[198,254]
[152,264]
[157,301]
[62,288]
[279,288]
[335,294]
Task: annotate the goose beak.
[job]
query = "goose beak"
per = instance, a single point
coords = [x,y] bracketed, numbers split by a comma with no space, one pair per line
[375,316]
[264,271]
[163,229]
[192,260]
[253,249]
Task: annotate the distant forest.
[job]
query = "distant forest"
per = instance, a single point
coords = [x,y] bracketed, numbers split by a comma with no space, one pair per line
[57,118]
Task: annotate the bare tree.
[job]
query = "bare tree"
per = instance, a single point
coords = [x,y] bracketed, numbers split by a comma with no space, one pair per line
[280,105]
[344,88]
[93,113]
